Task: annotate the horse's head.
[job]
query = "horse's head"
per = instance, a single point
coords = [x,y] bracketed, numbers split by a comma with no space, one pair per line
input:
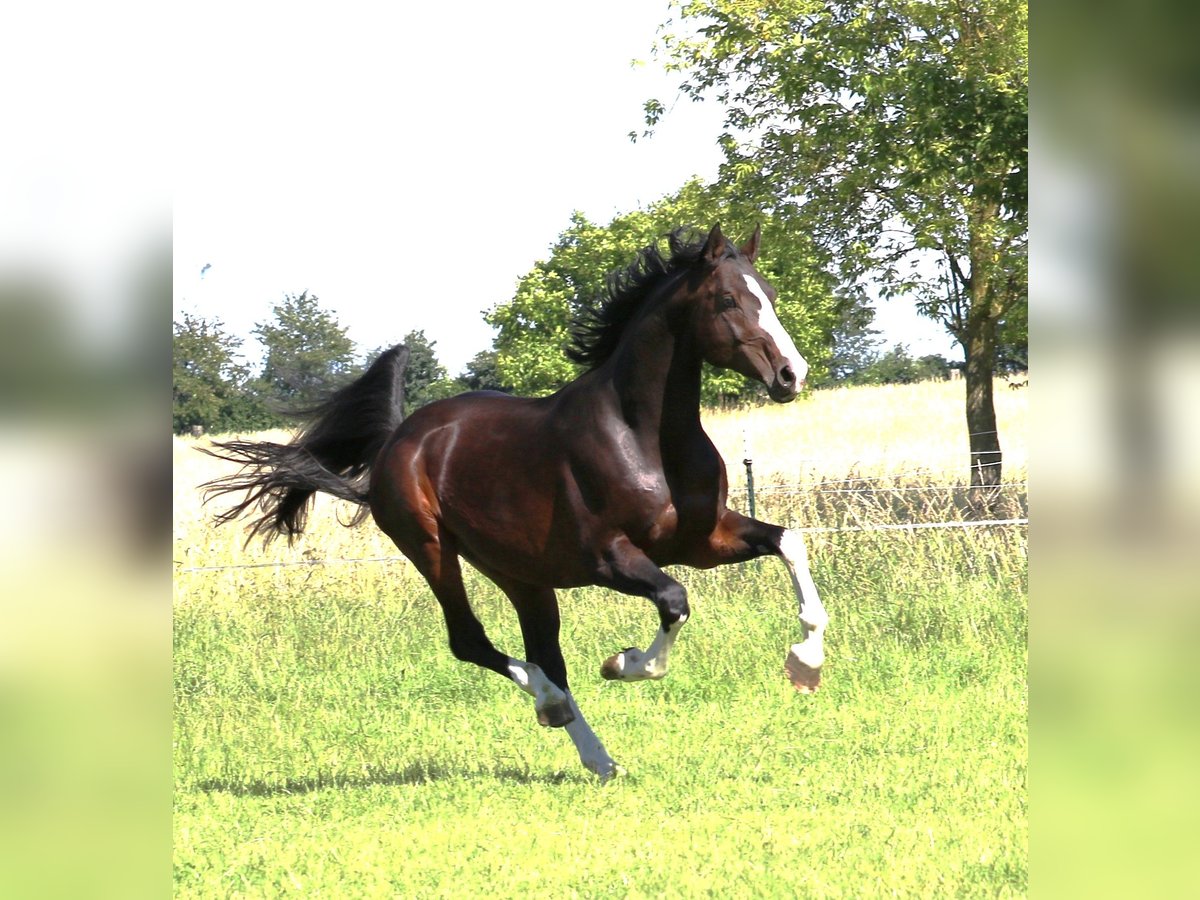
[734,320]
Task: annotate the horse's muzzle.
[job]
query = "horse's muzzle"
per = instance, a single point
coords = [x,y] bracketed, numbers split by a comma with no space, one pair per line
[785,385]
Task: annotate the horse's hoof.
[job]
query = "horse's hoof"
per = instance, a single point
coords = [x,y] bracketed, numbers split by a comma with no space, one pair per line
[612,669]
[556,715]
[804,678]
[611,774]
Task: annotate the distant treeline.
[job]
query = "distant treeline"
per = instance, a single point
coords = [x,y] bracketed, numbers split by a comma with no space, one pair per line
[306,354]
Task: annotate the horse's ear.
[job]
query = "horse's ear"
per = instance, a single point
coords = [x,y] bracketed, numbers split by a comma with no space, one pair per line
[750,248]
[714,247]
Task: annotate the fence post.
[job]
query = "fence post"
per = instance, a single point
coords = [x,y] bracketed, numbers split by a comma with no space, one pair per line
[748,461]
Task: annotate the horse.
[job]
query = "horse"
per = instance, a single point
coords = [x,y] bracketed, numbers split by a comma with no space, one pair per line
[603,483]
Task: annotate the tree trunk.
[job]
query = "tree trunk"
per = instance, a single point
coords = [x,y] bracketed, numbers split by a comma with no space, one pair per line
[980,345]
[981,410]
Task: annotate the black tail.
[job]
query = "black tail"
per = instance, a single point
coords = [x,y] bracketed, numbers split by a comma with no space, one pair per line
[333,453]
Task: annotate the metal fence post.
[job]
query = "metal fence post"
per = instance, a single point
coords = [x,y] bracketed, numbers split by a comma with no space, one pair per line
[748,461]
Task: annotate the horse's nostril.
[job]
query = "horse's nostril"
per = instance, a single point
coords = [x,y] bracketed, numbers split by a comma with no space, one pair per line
[787,376]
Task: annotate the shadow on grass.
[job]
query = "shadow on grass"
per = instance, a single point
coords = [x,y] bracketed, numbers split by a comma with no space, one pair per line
[415,774]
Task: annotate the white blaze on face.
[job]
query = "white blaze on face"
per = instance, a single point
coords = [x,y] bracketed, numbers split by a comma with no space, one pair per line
[769,322]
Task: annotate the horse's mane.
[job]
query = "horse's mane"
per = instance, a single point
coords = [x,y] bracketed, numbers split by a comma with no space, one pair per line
[597,326]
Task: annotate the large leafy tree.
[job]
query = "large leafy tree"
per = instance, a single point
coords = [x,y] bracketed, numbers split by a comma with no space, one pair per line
[534,327]
[896,131]
[1012,339]
[307,353]
[209,380]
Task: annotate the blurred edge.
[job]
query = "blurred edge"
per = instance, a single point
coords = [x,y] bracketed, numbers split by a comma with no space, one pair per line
[1115,125]
[85,286]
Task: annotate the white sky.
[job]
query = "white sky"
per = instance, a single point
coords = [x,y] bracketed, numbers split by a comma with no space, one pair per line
[408,163]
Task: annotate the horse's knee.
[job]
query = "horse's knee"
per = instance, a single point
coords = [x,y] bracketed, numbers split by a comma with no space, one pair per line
[471,645]
[672,605]
[464,650]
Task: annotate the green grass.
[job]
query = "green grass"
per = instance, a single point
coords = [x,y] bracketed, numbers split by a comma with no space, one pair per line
[327,744]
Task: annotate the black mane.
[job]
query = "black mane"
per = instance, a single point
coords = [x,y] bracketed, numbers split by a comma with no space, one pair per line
[597,326]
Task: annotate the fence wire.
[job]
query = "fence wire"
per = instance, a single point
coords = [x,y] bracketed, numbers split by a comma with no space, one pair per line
[908,526]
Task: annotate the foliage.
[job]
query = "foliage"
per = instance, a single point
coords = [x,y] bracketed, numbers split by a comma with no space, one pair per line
[896,131]
[854,340]
[307,356]
[534,326]
[307,353]
[482,373]
[896,127]
[1012,339]
[897,367]
[209,383]
[425,379]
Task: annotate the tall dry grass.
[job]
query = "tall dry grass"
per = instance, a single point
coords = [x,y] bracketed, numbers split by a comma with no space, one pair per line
[872,455]
[912,430]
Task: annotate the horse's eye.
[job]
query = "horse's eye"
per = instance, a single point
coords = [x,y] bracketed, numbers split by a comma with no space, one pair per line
[727,302]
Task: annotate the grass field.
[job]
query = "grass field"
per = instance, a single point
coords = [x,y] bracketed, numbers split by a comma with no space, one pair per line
[327,744]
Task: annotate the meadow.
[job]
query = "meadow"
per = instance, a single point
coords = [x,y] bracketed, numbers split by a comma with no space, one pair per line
[326,743]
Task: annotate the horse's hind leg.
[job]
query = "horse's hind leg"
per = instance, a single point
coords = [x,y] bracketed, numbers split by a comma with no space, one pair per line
[437,559]
[537,611]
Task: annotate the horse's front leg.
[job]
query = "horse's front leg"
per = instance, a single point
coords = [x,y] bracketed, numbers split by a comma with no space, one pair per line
[738,538]
[804,660]
[627,569]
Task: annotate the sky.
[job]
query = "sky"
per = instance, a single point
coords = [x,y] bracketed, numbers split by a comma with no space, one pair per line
[408,164]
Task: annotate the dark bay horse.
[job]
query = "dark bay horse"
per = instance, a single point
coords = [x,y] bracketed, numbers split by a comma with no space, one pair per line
[603,483]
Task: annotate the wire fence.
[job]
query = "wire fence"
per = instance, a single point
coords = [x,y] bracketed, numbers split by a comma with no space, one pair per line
[892,476]
[817,487]
[905,526]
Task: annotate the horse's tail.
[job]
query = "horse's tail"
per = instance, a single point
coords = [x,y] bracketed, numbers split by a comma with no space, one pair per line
[334,454]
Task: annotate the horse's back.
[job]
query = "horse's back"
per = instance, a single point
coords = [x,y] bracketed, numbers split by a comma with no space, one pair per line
[476,430]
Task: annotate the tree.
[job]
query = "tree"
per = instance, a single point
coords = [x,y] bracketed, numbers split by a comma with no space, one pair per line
[932,367]
[854,340]
[897,367]
[535,325]
[208,382]
[1012,339]
[425,379]
[482,373]
[308,354]
[896,130]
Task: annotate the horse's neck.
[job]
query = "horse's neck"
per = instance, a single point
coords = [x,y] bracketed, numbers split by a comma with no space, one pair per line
[656,376]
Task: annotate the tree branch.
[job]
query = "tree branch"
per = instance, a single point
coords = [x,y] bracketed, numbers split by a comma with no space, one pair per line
[958,272]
